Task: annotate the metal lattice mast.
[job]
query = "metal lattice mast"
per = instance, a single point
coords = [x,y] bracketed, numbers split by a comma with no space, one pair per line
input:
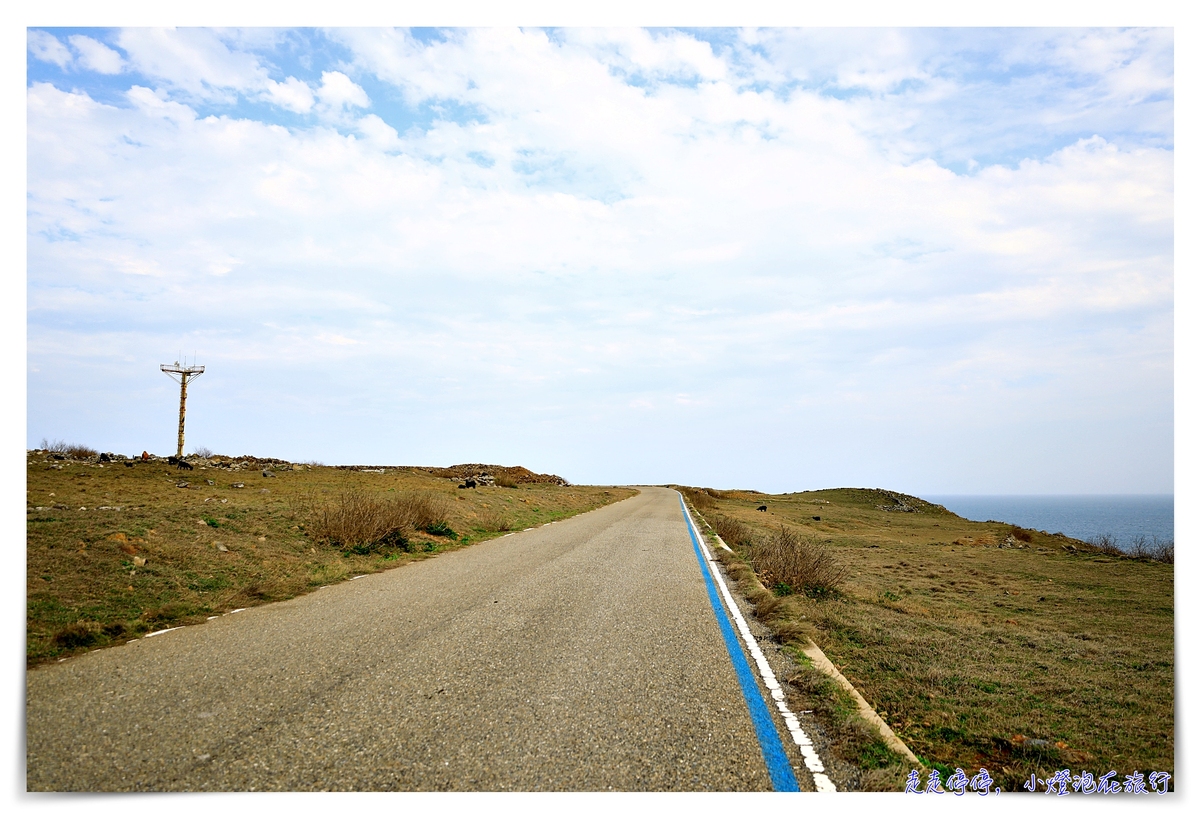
[181,375]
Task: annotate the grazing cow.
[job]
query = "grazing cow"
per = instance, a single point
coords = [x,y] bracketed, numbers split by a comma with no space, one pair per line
[145,455]
[818,519]
[180,463]
[762,508]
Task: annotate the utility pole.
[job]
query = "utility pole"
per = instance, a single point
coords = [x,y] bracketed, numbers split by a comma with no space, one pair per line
[181,375]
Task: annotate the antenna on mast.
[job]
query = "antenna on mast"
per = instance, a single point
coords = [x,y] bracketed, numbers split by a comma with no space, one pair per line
[181,375]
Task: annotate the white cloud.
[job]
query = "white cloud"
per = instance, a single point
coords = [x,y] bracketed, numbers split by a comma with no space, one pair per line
[291,94]
[95,55]
[193,61]
[199,65]
[379,132]
[338,91]
[46,47]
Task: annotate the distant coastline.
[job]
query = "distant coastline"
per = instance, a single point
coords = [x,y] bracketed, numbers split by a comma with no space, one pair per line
[1123,517]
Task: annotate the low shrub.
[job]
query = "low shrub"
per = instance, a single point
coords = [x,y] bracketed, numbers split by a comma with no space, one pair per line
[799,563]
[1152,549]
[425,509]
[80,634]
[494,521]
[731,531]
[1021,534]
[1106,544]
[507,482]
[700,499]
[362,522]
[75,450]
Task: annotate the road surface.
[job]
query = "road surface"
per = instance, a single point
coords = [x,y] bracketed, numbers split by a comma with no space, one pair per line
[582,655]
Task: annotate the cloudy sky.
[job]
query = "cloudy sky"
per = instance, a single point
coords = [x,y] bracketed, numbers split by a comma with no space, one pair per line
[933,260]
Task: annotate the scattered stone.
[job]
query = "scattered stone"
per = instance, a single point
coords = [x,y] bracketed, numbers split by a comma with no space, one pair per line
[220,546]
[139,561]
[238,485]
[211,482]
[264,491]
[268,473]
[181,485]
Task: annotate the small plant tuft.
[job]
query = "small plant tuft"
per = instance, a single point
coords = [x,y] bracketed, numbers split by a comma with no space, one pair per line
[495,521]
[80,634]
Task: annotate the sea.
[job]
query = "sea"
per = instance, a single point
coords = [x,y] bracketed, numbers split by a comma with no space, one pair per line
[1123,517]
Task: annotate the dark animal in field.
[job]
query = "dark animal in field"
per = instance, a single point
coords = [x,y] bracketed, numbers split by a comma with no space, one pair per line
[129,464]
[180,463]
[469,483]
[818,519]
[762,508]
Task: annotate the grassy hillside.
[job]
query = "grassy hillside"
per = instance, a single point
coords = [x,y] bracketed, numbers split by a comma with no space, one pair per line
[114,551]
[980,644]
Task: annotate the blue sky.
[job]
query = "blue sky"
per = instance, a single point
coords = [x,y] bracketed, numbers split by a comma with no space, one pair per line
[935,260]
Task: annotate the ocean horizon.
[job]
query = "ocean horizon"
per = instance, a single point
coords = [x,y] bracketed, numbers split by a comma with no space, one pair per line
[1124,517]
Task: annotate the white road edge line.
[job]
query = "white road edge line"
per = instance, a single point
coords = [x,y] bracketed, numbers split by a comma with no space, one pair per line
[164,630]
[812,760]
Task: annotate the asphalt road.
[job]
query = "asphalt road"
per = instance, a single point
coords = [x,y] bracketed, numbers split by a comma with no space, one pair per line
[582,655]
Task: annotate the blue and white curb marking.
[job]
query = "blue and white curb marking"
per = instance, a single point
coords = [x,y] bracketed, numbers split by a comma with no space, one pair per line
[812,760]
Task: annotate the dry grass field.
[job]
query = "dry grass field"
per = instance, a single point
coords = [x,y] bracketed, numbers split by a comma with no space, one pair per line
[114,551]
[980,644]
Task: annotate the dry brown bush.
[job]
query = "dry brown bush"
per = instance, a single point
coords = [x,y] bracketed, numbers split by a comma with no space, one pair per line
[700,499]
[425,509]
[507,482]
[75,450]
[800,563]
[357,519]
[731,531]
[1021,534]
[494,521]
[1152,549]
[1106,544]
